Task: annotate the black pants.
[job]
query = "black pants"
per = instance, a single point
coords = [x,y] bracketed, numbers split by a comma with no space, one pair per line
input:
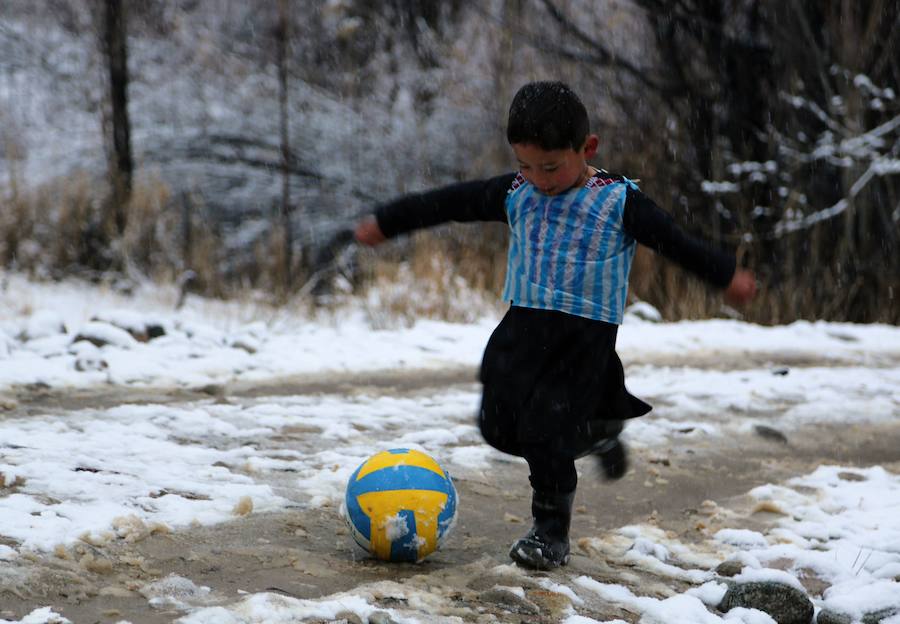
[553,386]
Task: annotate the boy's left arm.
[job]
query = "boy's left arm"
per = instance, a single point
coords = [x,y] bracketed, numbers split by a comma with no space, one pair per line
[650,225]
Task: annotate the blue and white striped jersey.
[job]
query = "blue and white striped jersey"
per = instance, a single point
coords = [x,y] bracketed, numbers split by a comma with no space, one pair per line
[570,252]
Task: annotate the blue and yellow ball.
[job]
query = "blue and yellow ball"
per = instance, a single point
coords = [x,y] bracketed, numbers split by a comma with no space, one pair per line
[400,505]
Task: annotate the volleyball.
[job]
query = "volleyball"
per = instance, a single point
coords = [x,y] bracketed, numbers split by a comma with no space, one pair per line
[400,505]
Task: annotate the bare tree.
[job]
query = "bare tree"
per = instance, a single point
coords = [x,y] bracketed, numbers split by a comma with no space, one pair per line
[781,125]
[282,36]
[115,49]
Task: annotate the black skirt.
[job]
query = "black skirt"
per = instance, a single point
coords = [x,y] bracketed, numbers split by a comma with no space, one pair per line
[553,380]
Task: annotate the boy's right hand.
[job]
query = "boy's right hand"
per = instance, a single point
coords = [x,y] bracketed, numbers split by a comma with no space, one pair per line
[368,233]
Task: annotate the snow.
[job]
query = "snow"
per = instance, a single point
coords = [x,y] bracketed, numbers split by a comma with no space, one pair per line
[99,474]
[44,615]
[741,537]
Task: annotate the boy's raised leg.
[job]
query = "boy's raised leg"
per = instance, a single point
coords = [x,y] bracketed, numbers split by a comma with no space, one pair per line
[608,450]
[612,457]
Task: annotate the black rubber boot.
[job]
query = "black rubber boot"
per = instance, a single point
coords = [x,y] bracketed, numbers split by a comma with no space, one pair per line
[547,544]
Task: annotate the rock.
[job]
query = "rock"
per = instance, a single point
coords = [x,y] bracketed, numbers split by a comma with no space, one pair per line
[101,334]
[876,617]
[785,604]
[349,617]
[135,323]
[731,567]
[213,389]
[247,343]
[770,433]
[827,616]
[87,364]
[832,617]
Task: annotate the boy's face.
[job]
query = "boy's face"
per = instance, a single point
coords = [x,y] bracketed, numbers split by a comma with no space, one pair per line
[555,171]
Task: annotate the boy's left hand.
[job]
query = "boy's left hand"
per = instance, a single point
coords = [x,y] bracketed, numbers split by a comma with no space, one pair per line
[742,287]
[368,232]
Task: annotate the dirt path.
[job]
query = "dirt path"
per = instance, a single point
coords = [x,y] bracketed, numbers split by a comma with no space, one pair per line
[307,553]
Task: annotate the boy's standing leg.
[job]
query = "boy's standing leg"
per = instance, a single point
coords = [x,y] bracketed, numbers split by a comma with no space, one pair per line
[553,481]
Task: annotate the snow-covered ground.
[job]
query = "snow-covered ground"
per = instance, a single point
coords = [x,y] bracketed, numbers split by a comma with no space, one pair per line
[105,473]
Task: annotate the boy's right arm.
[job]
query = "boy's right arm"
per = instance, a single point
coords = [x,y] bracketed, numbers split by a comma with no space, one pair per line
[479,200]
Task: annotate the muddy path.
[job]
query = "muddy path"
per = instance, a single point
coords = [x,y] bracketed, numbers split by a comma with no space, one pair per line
[307,553]
[36,398]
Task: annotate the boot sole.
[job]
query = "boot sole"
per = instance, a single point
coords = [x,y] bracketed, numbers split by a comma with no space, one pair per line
[534,558]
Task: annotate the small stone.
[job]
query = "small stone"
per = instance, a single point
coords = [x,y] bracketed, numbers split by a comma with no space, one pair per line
[88,364]
[102,334]
[770,433]
[842,336]
[876,617]
[785,604]
[832,617]
[213,389]
[349,617]
[850,476]
[729,568]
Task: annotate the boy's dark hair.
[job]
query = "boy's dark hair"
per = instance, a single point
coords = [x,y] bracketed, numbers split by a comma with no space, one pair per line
[549,115]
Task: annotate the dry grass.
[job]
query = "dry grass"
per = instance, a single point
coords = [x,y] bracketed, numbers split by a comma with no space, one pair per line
[453,272]
[434,275]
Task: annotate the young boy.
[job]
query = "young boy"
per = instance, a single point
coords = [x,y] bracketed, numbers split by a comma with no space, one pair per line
[553,385]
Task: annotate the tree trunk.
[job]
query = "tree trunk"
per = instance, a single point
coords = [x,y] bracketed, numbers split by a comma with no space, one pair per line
[122,166]
[283,37]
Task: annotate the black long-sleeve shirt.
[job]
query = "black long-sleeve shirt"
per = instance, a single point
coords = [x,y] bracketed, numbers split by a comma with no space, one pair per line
[484,200]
